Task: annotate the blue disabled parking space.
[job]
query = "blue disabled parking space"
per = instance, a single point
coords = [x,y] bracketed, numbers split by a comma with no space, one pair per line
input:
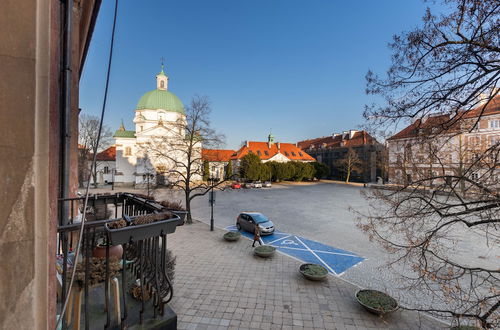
[337,261]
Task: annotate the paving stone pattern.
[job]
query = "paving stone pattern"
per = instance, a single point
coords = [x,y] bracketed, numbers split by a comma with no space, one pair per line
[221,285]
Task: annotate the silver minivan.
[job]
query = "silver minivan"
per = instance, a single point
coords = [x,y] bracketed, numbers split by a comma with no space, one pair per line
[247,221]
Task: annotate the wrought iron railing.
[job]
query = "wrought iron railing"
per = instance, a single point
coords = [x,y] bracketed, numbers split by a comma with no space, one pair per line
[144,258]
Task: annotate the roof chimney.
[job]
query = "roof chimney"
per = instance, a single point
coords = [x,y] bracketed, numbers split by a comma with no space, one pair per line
[247,143]
[278,145]
[351,133]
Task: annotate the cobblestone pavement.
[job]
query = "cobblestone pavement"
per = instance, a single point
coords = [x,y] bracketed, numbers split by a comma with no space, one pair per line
[221,285]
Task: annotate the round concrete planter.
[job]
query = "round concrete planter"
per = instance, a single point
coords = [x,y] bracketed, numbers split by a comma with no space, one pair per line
[232,236]
[376,302]
[313,272]
[264,251]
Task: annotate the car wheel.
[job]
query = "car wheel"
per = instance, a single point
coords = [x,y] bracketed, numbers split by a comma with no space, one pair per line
[238,226]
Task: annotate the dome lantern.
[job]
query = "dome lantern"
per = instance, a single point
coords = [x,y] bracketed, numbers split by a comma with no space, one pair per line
[162,80]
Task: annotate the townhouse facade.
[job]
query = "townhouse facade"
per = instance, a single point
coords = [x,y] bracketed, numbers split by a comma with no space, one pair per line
[442,148]
[334,150]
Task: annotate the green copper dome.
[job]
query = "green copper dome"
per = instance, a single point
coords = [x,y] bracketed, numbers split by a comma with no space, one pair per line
[160,99]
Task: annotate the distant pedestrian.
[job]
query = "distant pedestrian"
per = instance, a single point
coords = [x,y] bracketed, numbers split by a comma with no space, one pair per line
[256,235]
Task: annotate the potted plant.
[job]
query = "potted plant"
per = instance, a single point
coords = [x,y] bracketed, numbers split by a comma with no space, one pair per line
[99,250]
[232,236]
[264,251]
[141,227]
[376,302]
[175,208]
[313,272]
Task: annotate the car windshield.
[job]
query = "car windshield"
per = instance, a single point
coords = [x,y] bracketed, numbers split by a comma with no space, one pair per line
[259,218]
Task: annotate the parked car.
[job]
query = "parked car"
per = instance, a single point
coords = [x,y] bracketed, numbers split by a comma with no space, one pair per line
[257,184]
[248,185]
[236,185]
[247,221]
[267,184]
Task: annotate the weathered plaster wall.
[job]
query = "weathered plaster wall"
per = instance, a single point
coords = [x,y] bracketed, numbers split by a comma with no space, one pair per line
[24,220]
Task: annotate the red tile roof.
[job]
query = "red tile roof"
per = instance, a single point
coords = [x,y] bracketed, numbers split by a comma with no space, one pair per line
[446,122]
[107,155]
[216,155]
[359,138]
[264,151]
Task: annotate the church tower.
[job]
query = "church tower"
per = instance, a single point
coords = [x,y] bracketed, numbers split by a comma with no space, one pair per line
[162,80]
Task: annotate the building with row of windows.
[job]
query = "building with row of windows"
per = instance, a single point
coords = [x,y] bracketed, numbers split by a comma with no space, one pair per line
[436,149]
[366,154]
[269,151]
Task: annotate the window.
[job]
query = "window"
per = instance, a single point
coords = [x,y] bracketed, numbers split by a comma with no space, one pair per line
[300,154]
[142,128]
[258,152]
[474,141]
[286,154]
[128,151]
[266,152]
[250,151]
[162,84]
[475,176]
[494,140]
[293,154]
[106,169]
[494,123]
[213,168]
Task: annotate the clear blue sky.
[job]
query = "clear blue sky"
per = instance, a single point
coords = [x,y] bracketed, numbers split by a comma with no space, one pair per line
[297,67]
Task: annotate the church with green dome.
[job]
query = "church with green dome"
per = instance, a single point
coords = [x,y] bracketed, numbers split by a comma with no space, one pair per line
[159,114]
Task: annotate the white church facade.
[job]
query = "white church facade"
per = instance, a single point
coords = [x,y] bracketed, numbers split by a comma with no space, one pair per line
[160,121]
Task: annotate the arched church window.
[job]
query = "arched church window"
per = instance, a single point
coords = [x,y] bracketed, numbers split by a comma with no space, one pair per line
[142,128]
[162,84]
[128,151]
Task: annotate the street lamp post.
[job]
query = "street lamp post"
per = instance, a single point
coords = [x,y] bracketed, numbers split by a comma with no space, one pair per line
[211,200]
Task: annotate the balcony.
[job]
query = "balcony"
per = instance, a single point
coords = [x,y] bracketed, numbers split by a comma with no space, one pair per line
[124,271]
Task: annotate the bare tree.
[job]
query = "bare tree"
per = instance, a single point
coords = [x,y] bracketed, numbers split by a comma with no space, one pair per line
[450,66]
[88,129]
[350,163]
[180,150]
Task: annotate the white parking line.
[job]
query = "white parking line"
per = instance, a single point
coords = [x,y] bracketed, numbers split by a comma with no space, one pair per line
[327,252]
[324,263]
[276,240]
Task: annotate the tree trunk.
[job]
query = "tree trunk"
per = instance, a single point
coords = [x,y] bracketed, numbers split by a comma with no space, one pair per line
[189,219]
[348,176]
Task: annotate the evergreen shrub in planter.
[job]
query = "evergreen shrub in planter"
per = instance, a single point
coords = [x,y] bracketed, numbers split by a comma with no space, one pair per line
[264,251]
[376,302]
[232,236]
[313,272]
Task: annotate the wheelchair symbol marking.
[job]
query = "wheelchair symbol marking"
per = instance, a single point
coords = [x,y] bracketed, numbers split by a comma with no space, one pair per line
[289,242]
